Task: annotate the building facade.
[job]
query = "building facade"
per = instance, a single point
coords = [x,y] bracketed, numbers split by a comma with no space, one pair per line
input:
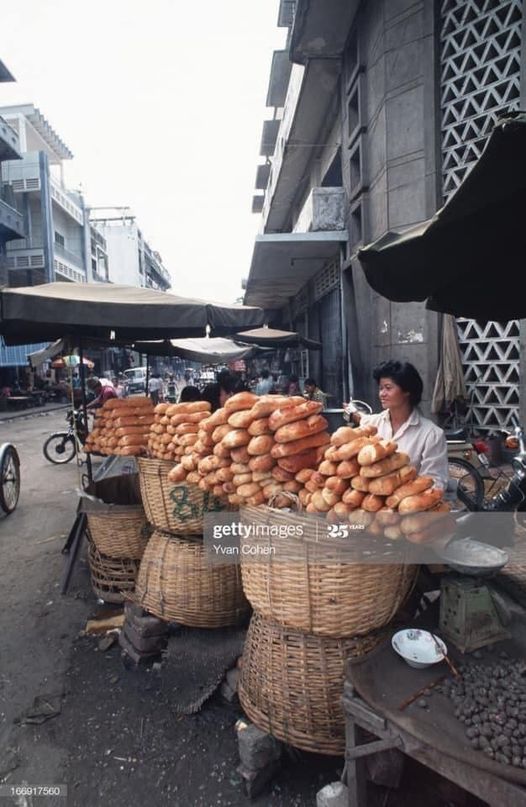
[385,105]
[131,260]
[11,221]
[57,243]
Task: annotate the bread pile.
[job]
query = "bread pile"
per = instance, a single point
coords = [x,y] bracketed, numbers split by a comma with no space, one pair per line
[175,429]
[365,481]
[122,426]
[252,448]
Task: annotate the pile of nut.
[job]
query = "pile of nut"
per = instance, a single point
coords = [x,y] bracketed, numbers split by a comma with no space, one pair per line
[490,700]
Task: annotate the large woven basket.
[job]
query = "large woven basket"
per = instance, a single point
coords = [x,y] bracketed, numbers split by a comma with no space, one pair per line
[122,533]
[112,579]
[178,508]
[177,582]
[291,683]
[309,583]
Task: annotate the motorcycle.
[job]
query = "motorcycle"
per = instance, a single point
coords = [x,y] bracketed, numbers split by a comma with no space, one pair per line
[61,447]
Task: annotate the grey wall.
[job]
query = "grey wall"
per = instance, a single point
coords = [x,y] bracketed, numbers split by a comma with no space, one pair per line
[397,186]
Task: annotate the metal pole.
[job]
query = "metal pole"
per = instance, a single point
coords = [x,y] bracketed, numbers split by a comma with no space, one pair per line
[147,372]
[82,373]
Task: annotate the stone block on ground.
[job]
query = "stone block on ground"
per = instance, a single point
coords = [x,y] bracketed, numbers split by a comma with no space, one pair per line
[256,748]
[144,644]
[333,795]
[131,653]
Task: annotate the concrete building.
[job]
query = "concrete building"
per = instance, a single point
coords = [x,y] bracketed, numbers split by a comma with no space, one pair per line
[58,237]
[385,105]
[11,221]
[131,260]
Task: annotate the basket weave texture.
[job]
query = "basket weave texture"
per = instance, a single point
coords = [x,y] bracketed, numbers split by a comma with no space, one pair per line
[120,534]
[178,508]
[291,683]
[177,582]
[307,584]
[112,579]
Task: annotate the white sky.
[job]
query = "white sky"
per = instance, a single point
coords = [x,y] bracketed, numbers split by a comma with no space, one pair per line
[162,104]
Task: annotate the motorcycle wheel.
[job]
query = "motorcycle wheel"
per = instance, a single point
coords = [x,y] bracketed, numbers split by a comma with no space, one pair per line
[470,490]
[59,448]
[9,480]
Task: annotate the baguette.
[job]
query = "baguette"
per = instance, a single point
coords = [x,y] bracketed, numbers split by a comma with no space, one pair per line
[347,469]
[372,503]
[240,455]
[241,419]
[263,462]
[337,484]
[421,501]
[258,426]
[303,475]
[289,414]
[281,475]
[354,498]
[266,404]
[386,466]
[418,485]
[297,462]
[421,521]
[235,439]
[379,451]
[220,432]
[240,401]
[360,483]
[386,485]
[300,446]
[300,428]
[328,468]
[350,450]
[260,445]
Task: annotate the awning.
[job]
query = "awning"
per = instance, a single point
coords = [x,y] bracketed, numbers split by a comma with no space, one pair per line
[272,337]
[283,262]
[468,260]
[56,310]
[45,353]
[206,350]
[17,355]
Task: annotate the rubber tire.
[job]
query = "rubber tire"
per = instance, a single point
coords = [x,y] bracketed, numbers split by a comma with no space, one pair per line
[10,456]
[67,456]
[473,497]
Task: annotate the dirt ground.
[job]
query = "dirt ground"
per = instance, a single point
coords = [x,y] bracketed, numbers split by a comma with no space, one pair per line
[117,740]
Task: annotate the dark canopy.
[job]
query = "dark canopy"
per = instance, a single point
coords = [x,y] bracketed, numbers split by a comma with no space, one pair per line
[468,260]
[271,337]
[209,351]
[55,310]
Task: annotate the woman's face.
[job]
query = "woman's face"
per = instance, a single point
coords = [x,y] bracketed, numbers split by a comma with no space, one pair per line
[391,394]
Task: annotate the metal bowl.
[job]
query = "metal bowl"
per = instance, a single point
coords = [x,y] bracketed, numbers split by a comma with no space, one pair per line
[468,556]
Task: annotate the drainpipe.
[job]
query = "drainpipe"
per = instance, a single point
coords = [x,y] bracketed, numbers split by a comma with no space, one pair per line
[47,216]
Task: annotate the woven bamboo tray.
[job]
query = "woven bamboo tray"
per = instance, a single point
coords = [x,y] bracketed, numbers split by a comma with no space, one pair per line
[309,585]
[178,508]
[112,579]
[120,534]
[291,683]
[177,582]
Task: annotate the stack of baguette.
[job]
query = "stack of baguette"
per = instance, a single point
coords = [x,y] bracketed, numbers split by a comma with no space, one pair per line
[251,449]
[122,426]
[175,427]
[365,480]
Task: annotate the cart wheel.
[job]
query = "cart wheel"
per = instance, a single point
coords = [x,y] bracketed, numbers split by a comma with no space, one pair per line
[9,478]
[470,491]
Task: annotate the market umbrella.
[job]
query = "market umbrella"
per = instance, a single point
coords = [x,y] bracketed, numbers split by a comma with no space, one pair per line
[272,337]
[212,350]
[60,363]
[449,385]
[464,260]
[105,310]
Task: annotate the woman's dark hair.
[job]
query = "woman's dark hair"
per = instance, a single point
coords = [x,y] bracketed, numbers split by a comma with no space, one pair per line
[309,382]
[293,379]
[189,394]
[405,375]
[265,374]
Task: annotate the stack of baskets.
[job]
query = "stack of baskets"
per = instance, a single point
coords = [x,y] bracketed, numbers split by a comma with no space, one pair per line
[313,610]
[176,580]
[118,537]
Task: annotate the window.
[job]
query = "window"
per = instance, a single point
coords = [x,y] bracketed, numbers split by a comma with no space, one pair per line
[59,239]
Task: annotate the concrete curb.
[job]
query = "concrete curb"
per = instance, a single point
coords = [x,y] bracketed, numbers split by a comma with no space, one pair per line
[7,417]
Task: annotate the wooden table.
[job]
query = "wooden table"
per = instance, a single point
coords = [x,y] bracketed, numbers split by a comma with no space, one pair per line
[19,401]
[361,718]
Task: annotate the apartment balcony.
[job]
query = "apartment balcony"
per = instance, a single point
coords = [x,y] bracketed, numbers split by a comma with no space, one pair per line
[25,257]
[73,258]
[324,210]
[279,78]
[269,137]
[11,221]
[68,201]
[9,143]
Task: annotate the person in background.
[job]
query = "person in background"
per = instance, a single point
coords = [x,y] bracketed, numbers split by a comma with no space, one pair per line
[171,389]
[265,383]
[293,387]
[118,387]
[219,392]
[400,390]
[102,393]
[155,388]
[312,392]
[190,394]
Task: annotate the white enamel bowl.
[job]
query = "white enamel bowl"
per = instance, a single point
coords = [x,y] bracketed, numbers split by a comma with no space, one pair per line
[418,648]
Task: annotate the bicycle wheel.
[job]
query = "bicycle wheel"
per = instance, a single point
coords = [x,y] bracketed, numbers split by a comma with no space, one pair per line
[470,490]
[9,479]
[59,448]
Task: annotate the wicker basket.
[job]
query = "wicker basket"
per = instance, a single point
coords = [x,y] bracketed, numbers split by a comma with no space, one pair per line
[177,582]
[112,579]
[178,508]
[311,585]
[291,683]
[122,533]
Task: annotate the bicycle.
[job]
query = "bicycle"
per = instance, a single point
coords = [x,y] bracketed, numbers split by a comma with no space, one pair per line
[61,447]
[9,478]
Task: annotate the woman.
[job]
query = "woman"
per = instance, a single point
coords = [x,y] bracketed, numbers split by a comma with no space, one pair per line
[400,391]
